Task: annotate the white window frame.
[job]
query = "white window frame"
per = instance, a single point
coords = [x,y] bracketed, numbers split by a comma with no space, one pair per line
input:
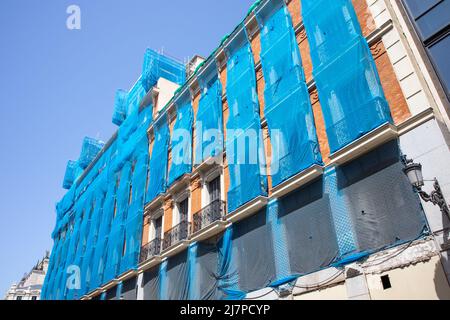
[152,228]
[177,199]
[206,179]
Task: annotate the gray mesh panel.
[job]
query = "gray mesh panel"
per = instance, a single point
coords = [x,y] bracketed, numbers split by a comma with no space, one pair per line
[253,252]
[311,239]
[151,284]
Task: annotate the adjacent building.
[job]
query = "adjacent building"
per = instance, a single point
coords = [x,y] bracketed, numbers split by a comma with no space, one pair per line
[30,286]
[272,169]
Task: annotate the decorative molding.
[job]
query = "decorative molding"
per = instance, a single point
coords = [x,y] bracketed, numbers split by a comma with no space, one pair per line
[377,49]
[314,94]
[169,203]
[301,36]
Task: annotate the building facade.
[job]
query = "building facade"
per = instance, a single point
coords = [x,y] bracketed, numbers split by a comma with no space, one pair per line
[273,171]
[30,286]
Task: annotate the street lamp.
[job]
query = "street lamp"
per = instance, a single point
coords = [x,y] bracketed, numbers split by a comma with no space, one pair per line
[414,173]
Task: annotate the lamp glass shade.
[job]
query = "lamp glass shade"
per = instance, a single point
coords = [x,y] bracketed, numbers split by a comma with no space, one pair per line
[414,173]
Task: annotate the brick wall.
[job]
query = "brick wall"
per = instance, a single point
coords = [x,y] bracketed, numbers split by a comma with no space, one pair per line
[196,195]
[168,214]
[145,231]
[392,90]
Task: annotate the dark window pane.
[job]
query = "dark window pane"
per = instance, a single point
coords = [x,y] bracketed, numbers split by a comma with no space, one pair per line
[434,20]
[418,7]
[214,189]
[439,54]
[184,207]
[158,227]
[253,252]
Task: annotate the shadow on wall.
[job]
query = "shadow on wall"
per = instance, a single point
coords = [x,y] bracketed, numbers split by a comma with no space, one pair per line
[441,283]
[441,279]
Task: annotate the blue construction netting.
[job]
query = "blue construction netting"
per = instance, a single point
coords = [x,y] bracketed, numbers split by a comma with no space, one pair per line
[73,171]
[353,210]
[349,88]
[181,141]
[157,178]
[208,122]
[99,220]
[244,142]
[157,65]
[120,107]
[135,213]
[89,150]
[287,103]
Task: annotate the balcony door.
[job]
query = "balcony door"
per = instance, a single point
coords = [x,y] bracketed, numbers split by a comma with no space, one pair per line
[158,227]
[214,189]
[183,208]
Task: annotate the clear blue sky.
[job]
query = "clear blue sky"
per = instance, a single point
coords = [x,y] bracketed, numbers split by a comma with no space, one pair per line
[58,85]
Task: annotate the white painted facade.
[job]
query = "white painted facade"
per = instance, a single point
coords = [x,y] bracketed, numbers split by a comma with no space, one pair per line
[29,287]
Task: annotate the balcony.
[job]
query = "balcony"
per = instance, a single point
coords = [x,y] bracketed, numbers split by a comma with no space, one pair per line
[150,254]
[297,181]
[175,240]
[209,221]
[366,143]
[247,209]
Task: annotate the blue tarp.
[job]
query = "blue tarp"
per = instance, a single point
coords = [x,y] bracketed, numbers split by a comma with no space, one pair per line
[208,123]
[120,107]
[72,173]
[182,141]
[91,147]
[244,143]
[349,88]
[287,104]
[157,65]
[157,182]
[361,207]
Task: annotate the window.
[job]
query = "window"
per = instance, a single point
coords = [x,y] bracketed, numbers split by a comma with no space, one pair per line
[214,189]
[33,298]
[386,282]
[157,223]
[19,298]
[439,56]
[183,209]
[430,19]
[419,7]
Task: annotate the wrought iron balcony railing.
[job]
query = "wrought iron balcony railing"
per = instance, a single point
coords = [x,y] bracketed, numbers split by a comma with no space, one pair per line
[213,212]
[175,235]
[151,249]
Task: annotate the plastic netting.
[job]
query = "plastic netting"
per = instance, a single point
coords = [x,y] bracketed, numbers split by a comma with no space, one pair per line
[157,65]
[287,103]
[347,80]
[99,220]
[244,143]
[89,150]
[181,142]
[73,171]
[157,182]
[120,107]
[350,212]
[208,123]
